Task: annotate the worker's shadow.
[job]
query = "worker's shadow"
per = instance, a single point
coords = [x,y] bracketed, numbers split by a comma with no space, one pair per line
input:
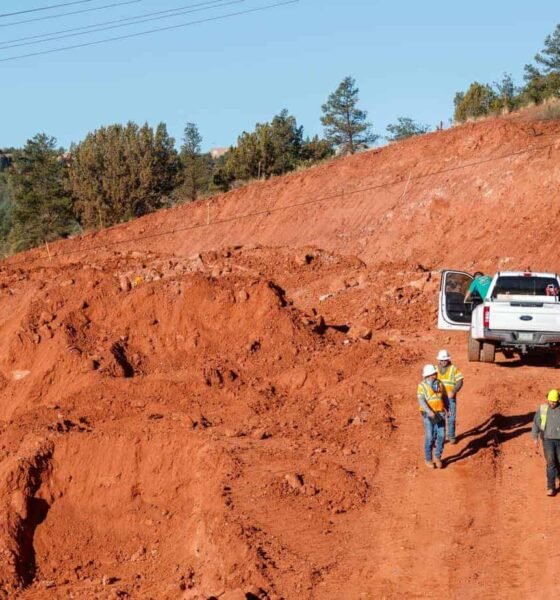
[491,434]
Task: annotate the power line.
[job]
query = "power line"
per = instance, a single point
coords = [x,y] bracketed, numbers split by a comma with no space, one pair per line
[149,31]
[67,14]
[32,10]
[269,211]
[124,22]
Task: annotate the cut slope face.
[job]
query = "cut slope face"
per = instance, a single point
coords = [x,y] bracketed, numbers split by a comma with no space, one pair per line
[186,417]
[487,184]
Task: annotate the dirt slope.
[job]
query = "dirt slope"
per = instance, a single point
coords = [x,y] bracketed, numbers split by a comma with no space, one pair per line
[228,411]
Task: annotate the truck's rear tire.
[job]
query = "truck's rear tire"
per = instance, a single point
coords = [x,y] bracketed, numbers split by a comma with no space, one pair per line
[488,353]
[473,349]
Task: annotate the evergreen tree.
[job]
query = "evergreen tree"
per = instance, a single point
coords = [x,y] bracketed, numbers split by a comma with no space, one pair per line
[507,93]
[120,172]
[479,100]
[286,141]
[273,148]
[549,57]
[196,166]
[345,124]
[541,87]
[543,80]
[41,210]
[315,150]
[405,128]
[6,206]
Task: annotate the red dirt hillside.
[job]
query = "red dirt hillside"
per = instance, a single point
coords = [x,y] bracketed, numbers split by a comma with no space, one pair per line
[218,400]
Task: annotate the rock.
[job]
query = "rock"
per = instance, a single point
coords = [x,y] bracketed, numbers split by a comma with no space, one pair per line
[362,279]
[242,296]
[196,261]
[45,332]
[138,554]
[360,332]
[18,375]
[310,490]
[124,284]
[45,318]
[293,379]
[231,433]
[304,258]
[260,434]
[337,284]
[294,480]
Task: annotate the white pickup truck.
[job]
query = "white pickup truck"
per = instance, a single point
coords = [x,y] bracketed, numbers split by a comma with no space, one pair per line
[519,315]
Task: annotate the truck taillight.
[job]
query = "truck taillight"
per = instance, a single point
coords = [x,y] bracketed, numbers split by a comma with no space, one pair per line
[486,316]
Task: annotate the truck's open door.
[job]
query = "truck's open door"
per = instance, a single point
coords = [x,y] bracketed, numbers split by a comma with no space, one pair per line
[453,312]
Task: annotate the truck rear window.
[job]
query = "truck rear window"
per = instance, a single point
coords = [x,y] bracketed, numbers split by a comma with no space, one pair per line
[525,286]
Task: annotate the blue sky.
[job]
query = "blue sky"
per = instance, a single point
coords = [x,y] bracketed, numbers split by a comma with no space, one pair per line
[408,58]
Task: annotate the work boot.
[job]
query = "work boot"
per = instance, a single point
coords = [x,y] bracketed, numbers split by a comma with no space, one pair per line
[550,492]
[439,464]
[429,464]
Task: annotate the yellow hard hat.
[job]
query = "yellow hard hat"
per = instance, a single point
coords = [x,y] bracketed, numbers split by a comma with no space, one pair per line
[552,396]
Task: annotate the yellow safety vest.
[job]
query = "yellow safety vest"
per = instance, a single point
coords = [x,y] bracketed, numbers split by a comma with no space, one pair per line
[434,399]
[543,415]
[450,377]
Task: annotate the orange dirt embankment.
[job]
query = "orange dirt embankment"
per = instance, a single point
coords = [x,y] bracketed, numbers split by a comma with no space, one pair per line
[462,196]
[228,411]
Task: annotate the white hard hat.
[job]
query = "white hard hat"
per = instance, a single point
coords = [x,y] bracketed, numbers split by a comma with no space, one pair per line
[443,355]
[428,370]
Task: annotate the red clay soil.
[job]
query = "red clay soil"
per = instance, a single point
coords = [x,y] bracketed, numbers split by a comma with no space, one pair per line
[228,411]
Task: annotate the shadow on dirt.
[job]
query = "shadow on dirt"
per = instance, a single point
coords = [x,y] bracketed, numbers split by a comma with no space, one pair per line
[37,513]
[544,360]
[491,434]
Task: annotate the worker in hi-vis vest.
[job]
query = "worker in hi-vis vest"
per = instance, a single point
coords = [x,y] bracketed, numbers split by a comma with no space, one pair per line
[452,380]
[546,425]
[432,401]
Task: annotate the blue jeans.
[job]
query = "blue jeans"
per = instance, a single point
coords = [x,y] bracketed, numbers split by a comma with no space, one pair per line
[434,436]
[451,418]
[551,449]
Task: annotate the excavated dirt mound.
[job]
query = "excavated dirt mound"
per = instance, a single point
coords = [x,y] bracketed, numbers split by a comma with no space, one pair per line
[228,410]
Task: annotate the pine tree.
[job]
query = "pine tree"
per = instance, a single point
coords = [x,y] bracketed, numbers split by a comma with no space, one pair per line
[6,206]
[42,206]
[549,57]
[507,92]
[196,166]
[405,128]
[345,124]
[543,80]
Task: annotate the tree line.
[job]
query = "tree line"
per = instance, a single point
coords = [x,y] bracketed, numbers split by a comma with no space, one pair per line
[120,172]
[541,83]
